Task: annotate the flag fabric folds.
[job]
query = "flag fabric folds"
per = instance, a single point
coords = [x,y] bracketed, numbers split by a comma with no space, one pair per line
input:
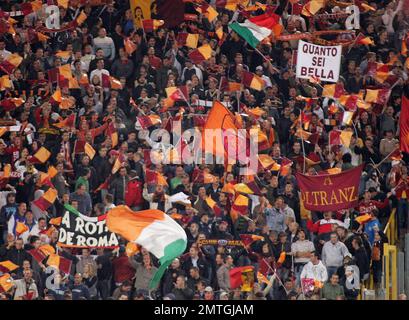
[154,177]
[200,54]
[330,192]
[255,29]
[404,125]
[59,262]
[252,81]
[11,62]
[188,39]
[7,266]
[149,25]
[240,207]
[41,156]
[152,229]
[46,200]
[237,275]
[312,7]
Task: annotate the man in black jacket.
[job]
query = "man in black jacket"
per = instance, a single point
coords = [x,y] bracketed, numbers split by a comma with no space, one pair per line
[195,261]
[181,291]
[361,257]
[104,272]
[17,254]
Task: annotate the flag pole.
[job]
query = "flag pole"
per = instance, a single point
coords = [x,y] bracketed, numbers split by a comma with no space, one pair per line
[238,95]
[267,59]
[143,30]
[303,147]
[184,98]
[220,88]
[386,158]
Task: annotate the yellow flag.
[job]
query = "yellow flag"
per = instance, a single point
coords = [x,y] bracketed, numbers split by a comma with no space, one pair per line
[141,10]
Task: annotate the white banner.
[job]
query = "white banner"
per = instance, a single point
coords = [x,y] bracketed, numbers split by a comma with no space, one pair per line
[321,62]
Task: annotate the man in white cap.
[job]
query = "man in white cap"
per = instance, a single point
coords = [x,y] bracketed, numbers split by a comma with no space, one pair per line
[259,72]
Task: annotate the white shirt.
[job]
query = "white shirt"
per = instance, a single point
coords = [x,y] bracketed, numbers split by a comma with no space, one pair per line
[35,231]
[317,272]
[98,73]
[5,53]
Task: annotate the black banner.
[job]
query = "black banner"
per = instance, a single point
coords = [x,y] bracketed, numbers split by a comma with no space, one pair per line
[79,231]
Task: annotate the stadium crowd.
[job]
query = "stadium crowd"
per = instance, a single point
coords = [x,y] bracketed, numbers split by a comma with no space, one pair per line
[328,255]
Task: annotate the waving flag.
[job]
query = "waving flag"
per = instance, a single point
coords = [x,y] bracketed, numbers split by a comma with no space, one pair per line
[11,103]
[255,29]
[333,90]
[152,229]
[5,82]
[237,276]
[379,96]
[200,54]
[46,200]
[248,239]
[59,262]
[404,125]
[11,63]
[40,156]
[361,39]
[21,228]
[213,205]
[6,282]
[187,39]
[144,122]
[252,81]
[312,7]
[247,188]
[209,12]
[231,4]
[154,177]
[150,25]
[7,266]
[240,207]
[68,122]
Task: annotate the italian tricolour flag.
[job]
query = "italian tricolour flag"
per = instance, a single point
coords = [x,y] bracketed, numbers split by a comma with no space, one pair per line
[256,29]
[152,229]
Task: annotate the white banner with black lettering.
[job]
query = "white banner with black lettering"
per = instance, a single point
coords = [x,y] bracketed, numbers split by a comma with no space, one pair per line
[322,62]
[77,230]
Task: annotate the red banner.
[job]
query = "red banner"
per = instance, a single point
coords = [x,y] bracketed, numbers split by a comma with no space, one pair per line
[404,124]
[330,192]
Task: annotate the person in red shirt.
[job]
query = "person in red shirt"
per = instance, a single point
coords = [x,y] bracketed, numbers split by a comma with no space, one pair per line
[122,269]
[133,192]
[401,191]
[14,149]
[367,205]
[154,61]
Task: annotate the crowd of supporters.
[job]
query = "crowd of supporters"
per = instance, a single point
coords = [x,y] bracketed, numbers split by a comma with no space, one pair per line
[328,255]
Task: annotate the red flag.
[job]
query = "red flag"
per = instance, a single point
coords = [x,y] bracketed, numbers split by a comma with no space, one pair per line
[404,125]
[236,276]
[330,192]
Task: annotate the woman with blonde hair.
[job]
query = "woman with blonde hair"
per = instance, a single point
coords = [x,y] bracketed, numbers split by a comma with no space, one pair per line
[90,280]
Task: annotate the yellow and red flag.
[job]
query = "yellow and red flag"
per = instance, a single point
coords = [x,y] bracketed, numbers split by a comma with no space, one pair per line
[40,156]
[155,178]
[11,62]
[188,39]
[59,262]
[200,54]
[7,266]
[252,81]
[312,7]
[149,25]
[46,200]
[239,207]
